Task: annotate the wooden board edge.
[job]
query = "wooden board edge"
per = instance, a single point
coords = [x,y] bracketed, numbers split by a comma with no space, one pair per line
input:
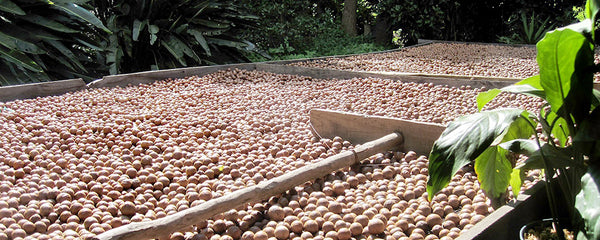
[33,90]
[360,128]
[284,62]
[505,222]
[148,77]
[451,81]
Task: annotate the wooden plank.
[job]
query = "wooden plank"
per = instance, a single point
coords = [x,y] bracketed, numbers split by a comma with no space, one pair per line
[359,128]
[43,89]
[448,80]
[262,191]
[505,222]
[123,80]
[284,62]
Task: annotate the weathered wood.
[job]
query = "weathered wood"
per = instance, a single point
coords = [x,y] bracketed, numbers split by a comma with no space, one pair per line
[449,80]
[357,128]
[34,90]
[259,192]
[284,62]
[153,76]
[505,222]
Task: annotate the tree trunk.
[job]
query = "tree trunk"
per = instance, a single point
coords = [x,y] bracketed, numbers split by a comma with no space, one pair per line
[381,30]
[349,17]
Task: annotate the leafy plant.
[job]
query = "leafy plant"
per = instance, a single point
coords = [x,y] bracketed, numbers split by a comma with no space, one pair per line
[158,34]
[329,40]
[43,40]
[290,26]
[399,39]
[531,30]
[567,149]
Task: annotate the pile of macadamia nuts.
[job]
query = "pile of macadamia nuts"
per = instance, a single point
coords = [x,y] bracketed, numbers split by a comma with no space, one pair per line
[79,164]
[465,59]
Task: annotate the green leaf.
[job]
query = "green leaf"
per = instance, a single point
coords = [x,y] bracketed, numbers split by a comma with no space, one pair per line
[171,45]
[555,126]
[564,57]
[587,139]
[200,39]
[530,86]
[48,23]
[180,29]
[137,27]
[464,140]
[559,128]
[76,11]
[14,43]
[87,44]
[484,98]
[153,30]
[183,47]
[212,24]
[555,158]
[591,9]
[227,43]
[586,203]
[67,53]
[201,6]
[516,180]
[595,99]
[521,146]
[10,7]
[519,128]
[19,59]
[493,171]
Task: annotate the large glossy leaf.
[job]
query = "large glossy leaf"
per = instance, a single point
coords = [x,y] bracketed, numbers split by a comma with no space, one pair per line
[176,51]
[586,203]
[14,43]
[591,9]
[530,86]
[564,57]
[555,158]
[555,126]
[48,23]
[68,54]
[464,140]
[183,47]
[493,171]
[200,39]
[19,59]
[521,146]
[516,180]
[519,128]
[137,27]
[76,11]
[10,7]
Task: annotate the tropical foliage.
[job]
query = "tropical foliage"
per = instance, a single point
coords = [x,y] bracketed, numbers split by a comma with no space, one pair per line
[530,30]
[155,34]
[48,40]
[568,147]
[465,20]
[288,26]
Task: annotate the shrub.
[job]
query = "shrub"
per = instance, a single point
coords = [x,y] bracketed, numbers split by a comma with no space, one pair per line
[151,34]
[48,40]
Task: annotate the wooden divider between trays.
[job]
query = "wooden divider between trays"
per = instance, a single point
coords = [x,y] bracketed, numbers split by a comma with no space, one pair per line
[262,191]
